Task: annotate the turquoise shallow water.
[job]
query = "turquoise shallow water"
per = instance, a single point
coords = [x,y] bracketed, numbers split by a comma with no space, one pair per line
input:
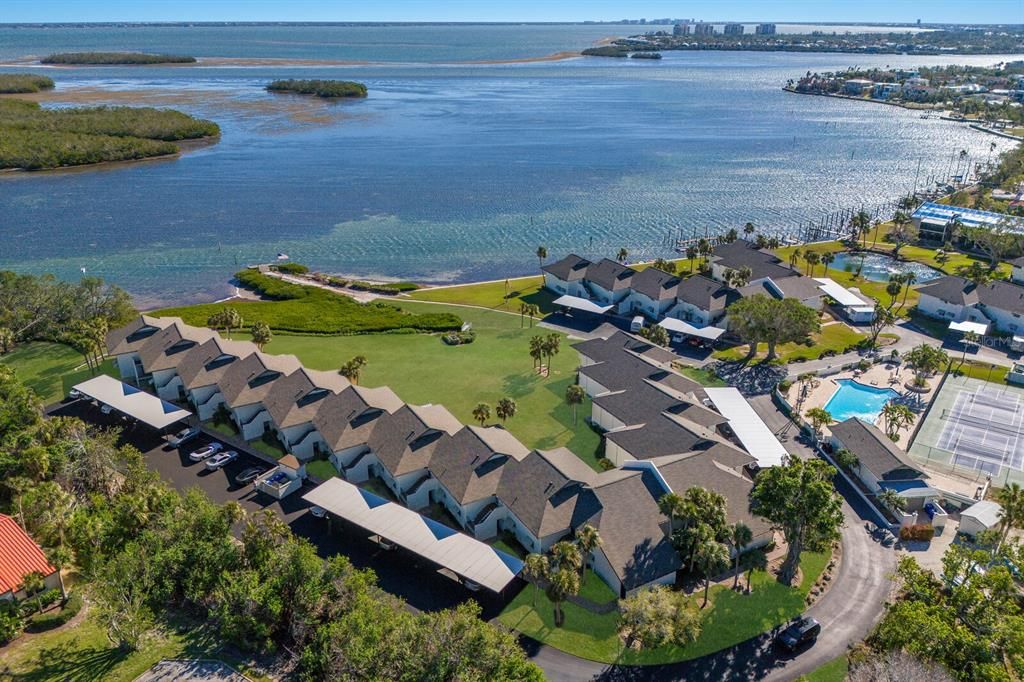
[450,171]
[854,399]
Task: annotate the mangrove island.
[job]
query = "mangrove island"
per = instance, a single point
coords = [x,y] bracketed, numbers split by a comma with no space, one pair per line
[35,138]
[23,83]
[320,88]
[114,58]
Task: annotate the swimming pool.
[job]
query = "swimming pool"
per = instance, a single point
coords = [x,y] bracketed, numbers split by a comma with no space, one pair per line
[854,399]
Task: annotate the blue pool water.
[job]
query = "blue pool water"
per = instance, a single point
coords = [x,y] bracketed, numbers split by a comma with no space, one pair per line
[854,399]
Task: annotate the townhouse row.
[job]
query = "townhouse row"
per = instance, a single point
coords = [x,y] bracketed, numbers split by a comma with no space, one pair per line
[485,478]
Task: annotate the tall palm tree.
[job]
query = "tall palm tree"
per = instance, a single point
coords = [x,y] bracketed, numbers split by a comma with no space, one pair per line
[712,558]
[535,569]
[622,255]
[552,344]
[566,555]
[897,416]
[587,539]
[482,412]
[749,229]
[820,417]
[752,561]
[969,339]
[352,369]
[523,309]
[533,312]
[704,249]
[892,499]
[795,256]
[542,253]
[827,259]
[740,536]
[812,258]
[537,350]
[506,409]
[561,584]
[909,279]
[574,395]
[691,253]
[774,243]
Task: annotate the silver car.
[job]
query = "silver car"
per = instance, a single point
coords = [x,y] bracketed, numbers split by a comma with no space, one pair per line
[221,459]
[205,451]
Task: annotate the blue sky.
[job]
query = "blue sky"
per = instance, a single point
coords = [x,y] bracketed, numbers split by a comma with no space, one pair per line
[967,11]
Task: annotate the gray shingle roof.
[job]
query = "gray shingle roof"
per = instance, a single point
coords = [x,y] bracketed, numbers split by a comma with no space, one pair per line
[569,269]
[543,496]
[167,348]
[466,467]
[402,442]
[250,380]
[951,289]
[875,451]
[659,436]
[1002,295]
[742,253]
[634,532]
[296,398]
[133,335]
[705,293]
[602,350]
[610,275]
[347,419]
[655,284]
[206,364]
[999,294]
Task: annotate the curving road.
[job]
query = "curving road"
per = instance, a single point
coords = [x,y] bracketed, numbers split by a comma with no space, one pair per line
[847,612]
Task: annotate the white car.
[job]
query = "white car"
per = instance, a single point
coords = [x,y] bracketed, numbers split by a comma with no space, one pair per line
[205,451]
[318,512]
[74,394]
[220,459]
[106,409]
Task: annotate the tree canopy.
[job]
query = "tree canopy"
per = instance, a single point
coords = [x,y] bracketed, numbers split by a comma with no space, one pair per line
[763,319]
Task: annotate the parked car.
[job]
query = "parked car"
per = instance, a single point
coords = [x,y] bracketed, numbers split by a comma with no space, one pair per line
[248,475]
[220,459]
[74,394]
[386,545]
[184,436]
[470,585]
[106,409]
[803,630]
[205,451]
[318,512]
[637,324]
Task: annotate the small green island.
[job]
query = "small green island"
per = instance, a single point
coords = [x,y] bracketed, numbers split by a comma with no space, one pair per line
[321,88]
[633,50]
[114,58]
[23,83]
[36,138]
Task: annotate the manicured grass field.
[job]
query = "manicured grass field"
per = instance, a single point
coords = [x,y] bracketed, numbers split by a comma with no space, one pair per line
[979,370]
[835,337]
[421,369]
[322,469]
[494,295]
[732,617]
[702,376]
[833,671]
[51,369]
[83,652]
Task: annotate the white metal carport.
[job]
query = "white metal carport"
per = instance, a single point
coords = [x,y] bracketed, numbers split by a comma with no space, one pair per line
[436,542]
[968,326]
[755,435]
[675,326]
[582,304]
[132,401]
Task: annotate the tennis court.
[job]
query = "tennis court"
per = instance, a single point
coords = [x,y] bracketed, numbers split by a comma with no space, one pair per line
[975,427]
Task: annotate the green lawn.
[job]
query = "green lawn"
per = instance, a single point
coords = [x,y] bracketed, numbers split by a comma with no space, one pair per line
[493,294]
[269,446]
[83,652]
[835,337]
[421,369]
[732,617]
[321,468]
[51,369]
[704,377]
[979,370]
[596,590]
[833,671]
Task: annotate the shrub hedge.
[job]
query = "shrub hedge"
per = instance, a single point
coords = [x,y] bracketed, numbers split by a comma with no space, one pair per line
[41,622]
[292,268]
[311,310]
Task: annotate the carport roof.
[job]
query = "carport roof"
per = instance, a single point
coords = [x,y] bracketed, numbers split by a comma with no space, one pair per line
[461,554]
[132,401]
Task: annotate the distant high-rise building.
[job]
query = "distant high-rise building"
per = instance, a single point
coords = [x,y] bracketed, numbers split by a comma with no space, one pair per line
[682,29]
[765,29]
[703,29]
[733,29]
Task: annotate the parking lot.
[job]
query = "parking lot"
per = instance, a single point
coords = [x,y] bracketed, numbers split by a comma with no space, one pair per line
[399,572]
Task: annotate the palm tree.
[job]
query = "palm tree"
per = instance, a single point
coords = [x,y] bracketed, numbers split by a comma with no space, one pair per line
[820,417]
[711,558]
[691,253]
[774,243]
[561,584]
[827,259]
[730,236]
[261,334]
[535,569]
[622,255]
[893,288]
[892,499]
[749,229]
[812,258]
[566,555]
[704,249]
[909,279]
[552,344]
[860,225]
[897,416]
[587,539]
[524,310]
[352,369]
[794,256]
[970,339]
[482,412]
[740,536]
[846,459]
[574,395]
[542,253]
[976,272]
[537,350]
[752,561]
[506,409]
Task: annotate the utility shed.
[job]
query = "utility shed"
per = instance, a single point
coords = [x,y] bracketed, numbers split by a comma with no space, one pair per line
[979,517]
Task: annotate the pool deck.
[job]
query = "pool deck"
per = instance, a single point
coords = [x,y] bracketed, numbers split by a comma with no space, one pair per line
[879,376]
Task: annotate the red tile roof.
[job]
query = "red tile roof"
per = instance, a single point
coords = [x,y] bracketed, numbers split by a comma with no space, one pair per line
[19,556]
